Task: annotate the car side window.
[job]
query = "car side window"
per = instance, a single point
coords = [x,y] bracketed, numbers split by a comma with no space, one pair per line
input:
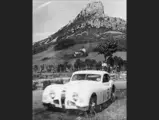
[106,78]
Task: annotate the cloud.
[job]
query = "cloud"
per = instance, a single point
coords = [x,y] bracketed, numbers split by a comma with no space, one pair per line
[43,5]
[39,4]
[40,36]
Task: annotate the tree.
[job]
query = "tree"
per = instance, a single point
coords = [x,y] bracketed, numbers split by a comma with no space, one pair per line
[125,65]
[119,63]
[41,68]
[67,66]
[60,68]
[99,65]
[49,68]
[35,68]
[116,61]
[110,61]
[93,63]
[88,63]
[54,67]
[107,48]
[78,64]
[82,65]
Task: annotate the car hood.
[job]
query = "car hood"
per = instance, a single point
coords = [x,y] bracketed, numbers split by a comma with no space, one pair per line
[80,85]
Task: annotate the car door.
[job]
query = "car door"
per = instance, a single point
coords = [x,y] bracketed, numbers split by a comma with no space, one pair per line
[107,87]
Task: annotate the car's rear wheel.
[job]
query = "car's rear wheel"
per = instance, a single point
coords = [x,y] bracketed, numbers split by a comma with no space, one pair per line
[113,95]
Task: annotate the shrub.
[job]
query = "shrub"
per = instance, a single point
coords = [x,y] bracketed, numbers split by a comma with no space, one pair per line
[34,86]
[46,83]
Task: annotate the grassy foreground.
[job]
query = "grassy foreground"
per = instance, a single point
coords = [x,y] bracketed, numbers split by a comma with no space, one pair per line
[115,111]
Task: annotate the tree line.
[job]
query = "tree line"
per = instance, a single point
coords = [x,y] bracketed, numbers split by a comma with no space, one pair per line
[106,49]
[114,62]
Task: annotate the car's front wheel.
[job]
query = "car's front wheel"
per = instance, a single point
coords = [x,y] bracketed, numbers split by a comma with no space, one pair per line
[92,105]
[48,106]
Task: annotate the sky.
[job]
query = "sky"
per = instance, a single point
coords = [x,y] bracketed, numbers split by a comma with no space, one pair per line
[50,15]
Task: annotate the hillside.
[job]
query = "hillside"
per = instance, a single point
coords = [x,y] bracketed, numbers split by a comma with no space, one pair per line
[62,55]
[90,27]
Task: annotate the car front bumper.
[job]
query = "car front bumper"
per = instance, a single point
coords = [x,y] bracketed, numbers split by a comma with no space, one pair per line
[64,103]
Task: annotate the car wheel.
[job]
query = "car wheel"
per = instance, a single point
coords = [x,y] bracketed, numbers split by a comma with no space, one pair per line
[48,107]
[92,105]
[113,96]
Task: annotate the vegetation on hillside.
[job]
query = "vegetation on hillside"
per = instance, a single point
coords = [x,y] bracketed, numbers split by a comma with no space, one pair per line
[107,49]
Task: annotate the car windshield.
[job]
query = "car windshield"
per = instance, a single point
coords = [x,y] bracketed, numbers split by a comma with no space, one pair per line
[91,77]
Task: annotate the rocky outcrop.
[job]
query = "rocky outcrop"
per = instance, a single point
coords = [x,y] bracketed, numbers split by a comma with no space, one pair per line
[90,23]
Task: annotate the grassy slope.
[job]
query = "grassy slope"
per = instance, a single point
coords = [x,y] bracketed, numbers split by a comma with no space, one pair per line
[57,56]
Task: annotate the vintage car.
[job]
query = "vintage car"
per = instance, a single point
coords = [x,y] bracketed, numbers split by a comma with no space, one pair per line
[86,91]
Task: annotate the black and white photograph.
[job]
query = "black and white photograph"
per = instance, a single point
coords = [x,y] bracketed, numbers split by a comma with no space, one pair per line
[79,59]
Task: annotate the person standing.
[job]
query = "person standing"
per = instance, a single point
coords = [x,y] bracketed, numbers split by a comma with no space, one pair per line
[104,65]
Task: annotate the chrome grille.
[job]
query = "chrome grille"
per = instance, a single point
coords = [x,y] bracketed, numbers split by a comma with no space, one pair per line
[63,98]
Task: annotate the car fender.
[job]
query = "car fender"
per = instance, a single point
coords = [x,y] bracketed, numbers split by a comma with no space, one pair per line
[85,96]
[56,88]
[89,94]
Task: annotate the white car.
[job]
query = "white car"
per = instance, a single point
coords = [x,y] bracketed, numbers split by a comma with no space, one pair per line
[86,90]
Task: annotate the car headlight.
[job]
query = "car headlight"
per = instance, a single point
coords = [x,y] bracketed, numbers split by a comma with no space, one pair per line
[52,94]
[75,96]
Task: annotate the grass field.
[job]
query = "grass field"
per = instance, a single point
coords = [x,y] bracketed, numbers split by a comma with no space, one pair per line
[115,111]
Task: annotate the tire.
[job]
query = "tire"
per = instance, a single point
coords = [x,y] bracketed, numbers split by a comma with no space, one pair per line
[48,106]
[113,96]
[92,105]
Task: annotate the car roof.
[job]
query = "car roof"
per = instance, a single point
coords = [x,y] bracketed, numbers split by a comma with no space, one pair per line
[91,72]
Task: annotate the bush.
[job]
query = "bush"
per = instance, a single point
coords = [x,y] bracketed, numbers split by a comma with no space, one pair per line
[46,83]
[34,86]
[59,81]
[64,43]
